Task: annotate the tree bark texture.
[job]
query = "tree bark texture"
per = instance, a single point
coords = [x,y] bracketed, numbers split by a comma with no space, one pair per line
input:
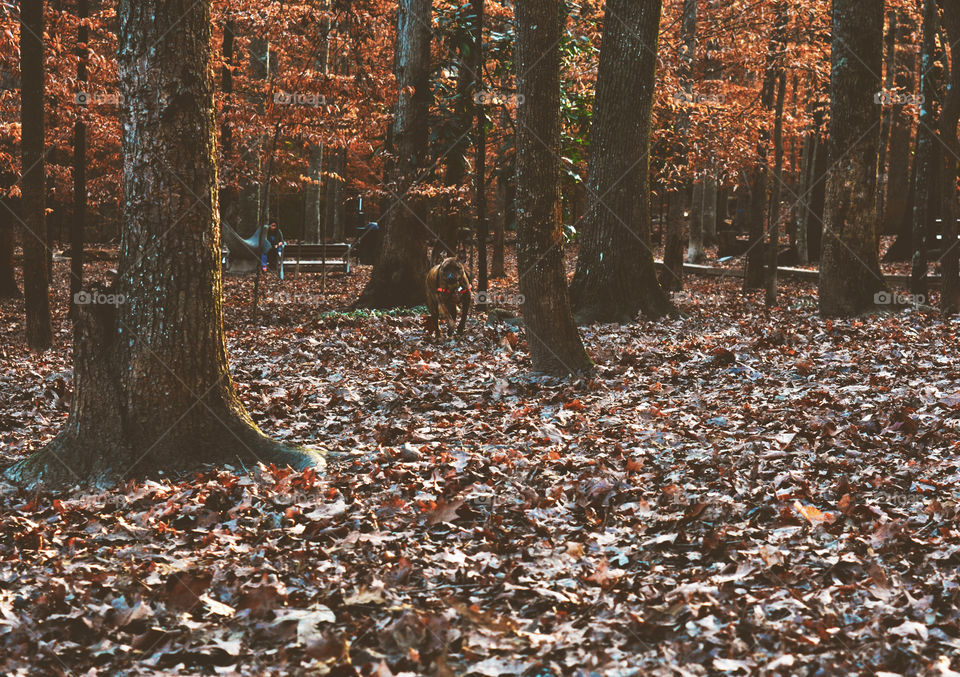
[552,336]
[152,383]
[616,277]
[401,267]
[850,269]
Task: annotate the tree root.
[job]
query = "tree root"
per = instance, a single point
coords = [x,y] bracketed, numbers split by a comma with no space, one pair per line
[70,460]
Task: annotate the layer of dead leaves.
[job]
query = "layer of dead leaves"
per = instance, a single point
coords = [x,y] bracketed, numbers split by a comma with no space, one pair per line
[733,492]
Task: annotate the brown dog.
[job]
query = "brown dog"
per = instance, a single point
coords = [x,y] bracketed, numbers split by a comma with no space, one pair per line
[448,291]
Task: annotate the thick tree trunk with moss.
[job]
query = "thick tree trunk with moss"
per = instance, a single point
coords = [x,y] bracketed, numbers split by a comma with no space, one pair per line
[849,268]
[552,336]
[152,384]
[401,267]
[36,284]
[616,277]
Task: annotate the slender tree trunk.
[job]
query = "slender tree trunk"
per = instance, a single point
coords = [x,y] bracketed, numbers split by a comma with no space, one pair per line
[505,201]
[773,242]
[922,214]
[710,193]
[949,264]
[480,168]
[850,270]
[506,193]
[552,336]
[152,384]
[803,204]
[616,276]
[315,212]
[339,212]
[78,226]
[753,275]
[253,194]
[8,219]
[313,201]
[229,193]
[36,285]
[818,190]
[901,250]
[890,61]
[447,232]
[8,278]
[398,275]
[672,277]
[695,251]
[336,166]
[898,201]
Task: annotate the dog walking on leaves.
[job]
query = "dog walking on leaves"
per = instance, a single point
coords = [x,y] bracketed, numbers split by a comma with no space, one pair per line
[448,292]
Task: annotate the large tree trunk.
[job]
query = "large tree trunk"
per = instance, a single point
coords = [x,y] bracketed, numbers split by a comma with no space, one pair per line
[36,285]
[923,214]
[401,267]
[616,276]
[78,225]
[552,336]
[152,384]
[949,264]
[850,270]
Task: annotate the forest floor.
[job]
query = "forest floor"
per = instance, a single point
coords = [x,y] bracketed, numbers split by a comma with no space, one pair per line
[735,491]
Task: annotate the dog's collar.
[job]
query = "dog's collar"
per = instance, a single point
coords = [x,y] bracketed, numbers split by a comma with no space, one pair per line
[461,290]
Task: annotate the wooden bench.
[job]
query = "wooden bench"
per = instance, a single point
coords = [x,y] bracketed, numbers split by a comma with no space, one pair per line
[311,258]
